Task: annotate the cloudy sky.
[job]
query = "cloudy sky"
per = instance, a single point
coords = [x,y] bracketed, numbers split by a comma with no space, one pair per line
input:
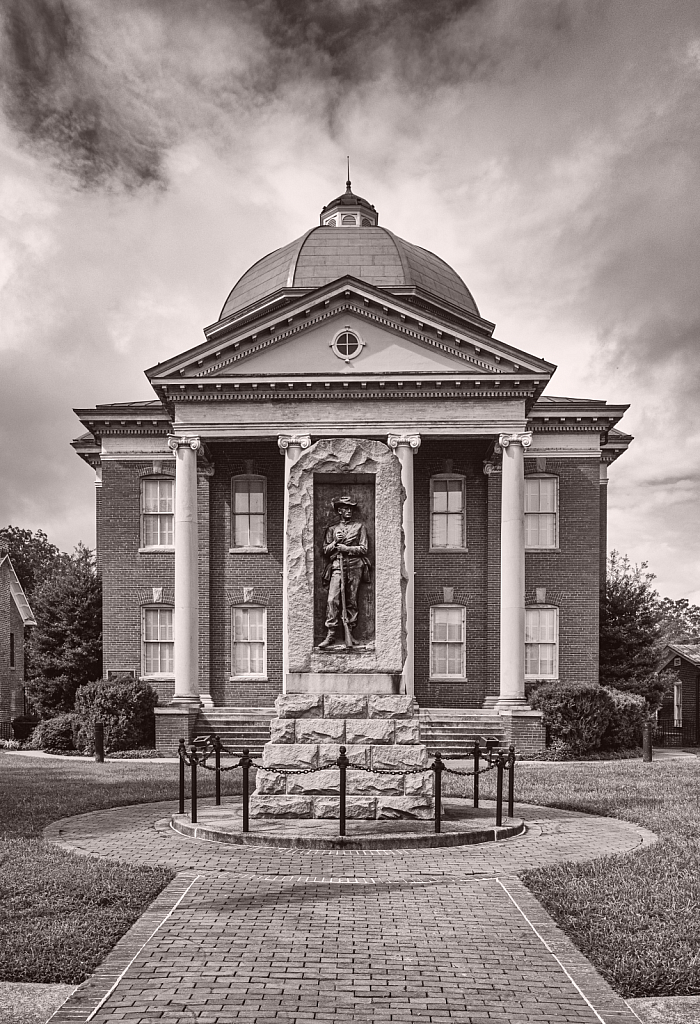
[150,151]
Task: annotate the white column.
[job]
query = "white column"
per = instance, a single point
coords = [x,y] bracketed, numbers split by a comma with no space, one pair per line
[291,446]
[405,445]
[186,616]
[512,690]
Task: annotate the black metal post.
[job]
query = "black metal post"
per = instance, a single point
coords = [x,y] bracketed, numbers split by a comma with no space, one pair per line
[477,753]
[500,761]
[217,764]
[245,763]
[343,763]
[99,742]
[647,752]
[438,765]
[193,786]
[511,781]
[182,754]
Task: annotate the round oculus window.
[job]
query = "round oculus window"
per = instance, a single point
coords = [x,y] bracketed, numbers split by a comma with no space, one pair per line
[347,345]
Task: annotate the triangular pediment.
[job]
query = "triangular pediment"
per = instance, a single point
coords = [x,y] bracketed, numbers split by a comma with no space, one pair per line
[300,339]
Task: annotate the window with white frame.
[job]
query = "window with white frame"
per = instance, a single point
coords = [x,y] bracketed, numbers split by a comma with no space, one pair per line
[448,646]
[157,512]
[249,513]
[677,705]
[541,508]
[249,632]
[542,643]
[447,526]
[157,641]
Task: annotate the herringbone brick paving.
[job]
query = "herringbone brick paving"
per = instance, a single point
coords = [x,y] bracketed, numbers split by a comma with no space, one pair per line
[250,934]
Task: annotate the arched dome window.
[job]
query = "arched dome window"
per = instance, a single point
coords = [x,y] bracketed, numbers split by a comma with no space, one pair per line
[349,220]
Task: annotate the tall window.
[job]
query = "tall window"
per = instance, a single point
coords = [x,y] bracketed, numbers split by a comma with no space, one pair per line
[447,512]
[542,643]
[249,502]
[447,641]
[249,640]
[541,512]
[12,650]
[157,512]
[678,705]
[157,643]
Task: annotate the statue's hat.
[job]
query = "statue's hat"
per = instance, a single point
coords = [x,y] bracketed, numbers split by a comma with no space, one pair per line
[344,500]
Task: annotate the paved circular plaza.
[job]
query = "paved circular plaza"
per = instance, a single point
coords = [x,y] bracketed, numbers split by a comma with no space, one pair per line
[276,934]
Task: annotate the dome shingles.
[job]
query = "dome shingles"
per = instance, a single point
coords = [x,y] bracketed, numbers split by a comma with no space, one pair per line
[373,254]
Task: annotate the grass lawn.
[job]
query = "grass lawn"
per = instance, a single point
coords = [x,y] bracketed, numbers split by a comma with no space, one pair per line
[636,917]
[63,912]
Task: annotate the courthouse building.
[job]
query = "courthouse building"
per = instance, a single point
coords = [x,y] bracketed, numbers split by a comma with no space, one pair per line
[351,334]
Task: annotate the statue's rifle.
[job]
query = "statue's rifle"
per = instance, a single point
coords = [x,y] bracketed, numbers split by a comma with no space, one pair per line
[349,642]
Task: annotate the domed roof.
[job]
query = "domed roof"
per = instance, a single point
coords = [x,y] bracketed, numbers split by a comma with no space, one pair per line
[372,254]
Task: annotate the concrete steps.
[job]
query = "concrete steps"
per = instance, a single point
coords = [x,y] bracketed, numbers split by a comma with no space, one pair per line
[453,732]
[237,727]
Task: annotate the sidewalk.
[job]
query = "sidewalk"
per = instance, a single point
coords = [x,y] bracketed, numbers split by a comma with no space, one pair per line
[266,934]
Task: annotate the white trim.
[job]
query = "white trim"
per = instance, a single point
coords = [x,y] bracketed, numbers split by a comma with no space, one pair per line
[247,548]
[555,644]
[446,677]
[149,608]
[143,514]
[347,358]
[18,595]
[555,513]
[250,676]
[448,547]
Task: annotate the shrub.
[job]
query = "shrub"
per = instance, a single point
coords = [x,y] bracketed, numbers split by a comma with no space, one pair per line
[52,696]
[125,706]
[58,733]
[577,714]
[625,727]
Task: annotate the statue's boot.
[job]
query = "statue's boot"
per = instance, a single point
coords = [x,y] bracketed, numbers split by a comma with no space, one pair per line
[330,637]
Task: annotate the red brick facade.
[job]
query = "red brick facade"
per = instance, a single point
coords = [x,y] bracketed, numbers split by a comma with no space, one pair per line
[11,651]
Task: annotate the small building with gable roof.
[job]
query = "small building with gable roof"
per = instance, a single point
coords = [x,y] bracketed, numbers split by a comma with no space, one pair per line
[15,617]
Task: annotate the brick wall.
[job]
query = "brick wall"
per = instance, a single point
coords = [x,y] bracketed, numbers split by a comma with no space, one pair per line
[231,572]
[603,541]
[465,571]
[689,676]
[570,574]
[11,679]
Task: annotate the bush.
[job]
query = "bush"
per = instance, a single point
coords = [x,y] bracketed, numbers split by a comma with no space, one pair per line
[125,706]
[52,696]
[625,727]
[576,714]
[59,733]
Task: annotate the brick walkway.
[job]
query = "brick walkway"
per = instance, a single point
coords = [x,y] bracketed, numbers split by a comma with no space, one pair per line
[250,934]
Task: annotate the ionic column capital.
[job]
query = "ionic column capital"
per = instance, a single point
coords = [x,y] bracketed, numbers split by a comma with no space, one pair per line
[176,441]
[524,439]
[285,441]
[404,440]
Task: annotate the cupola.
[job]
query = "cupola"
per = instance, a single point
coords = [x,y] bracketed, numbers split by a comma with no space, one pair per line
[349,211]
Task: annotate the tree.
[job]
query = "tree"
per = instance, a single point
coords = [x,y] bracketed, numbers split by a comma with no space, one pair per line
[34,558]
[631,637]
[66,643]
[680,621]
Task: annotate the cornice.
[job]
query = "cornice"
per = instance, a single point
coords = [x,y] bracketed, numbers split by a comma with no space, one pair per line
[341,393]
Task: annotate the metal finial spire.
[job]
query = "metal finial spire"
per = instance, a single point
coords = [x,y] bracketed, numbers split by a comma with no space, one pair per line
[347,183]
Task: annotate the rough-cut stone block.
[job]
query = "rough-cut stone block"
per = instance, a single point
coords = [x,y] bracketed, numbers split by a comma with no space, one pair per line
[281,807]
[290,755]
[269,783]
[355,807]
[282,730]
[397,706]
[367,730]
[327,782]
[320,730]
[299,705]
[407,730]
[344,705]
[366,782]
[404,807]
[356,754]
[400,757]
[419,785]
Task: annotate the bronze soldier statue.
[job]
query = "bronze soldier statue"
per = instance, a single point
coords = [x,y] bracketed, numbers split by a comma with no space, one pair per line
[345,546]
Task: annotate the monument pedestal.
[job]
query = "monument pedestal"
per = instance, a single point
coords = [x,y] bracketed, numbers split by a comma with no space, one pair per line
[379,731]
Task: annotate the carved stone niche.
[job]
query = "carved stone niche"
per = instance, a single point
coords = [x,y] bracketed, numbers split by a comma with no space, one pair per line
[372,471]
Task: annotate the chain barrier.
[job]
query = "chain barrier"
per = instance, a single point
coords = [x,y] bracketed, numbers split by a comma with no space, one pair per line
[199,754]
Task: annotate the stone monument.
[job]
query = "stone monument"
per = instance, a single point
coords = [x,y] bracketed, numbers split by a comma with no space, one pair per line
[346,644]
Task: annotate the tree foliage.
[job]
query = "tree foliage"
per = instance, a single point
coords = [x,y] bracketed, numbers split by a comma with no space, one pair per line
[66,643]
[680,621]
[631,636]
[34,558]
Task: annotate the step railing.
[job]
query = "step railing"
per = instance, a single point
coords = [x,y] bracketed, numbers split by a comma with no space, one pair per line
[201,752]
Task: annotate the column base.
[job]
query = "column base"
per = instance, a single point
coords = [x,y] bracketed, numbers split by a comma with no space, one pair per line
[205,700]
[511,703]
[174,723]
[191,700]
